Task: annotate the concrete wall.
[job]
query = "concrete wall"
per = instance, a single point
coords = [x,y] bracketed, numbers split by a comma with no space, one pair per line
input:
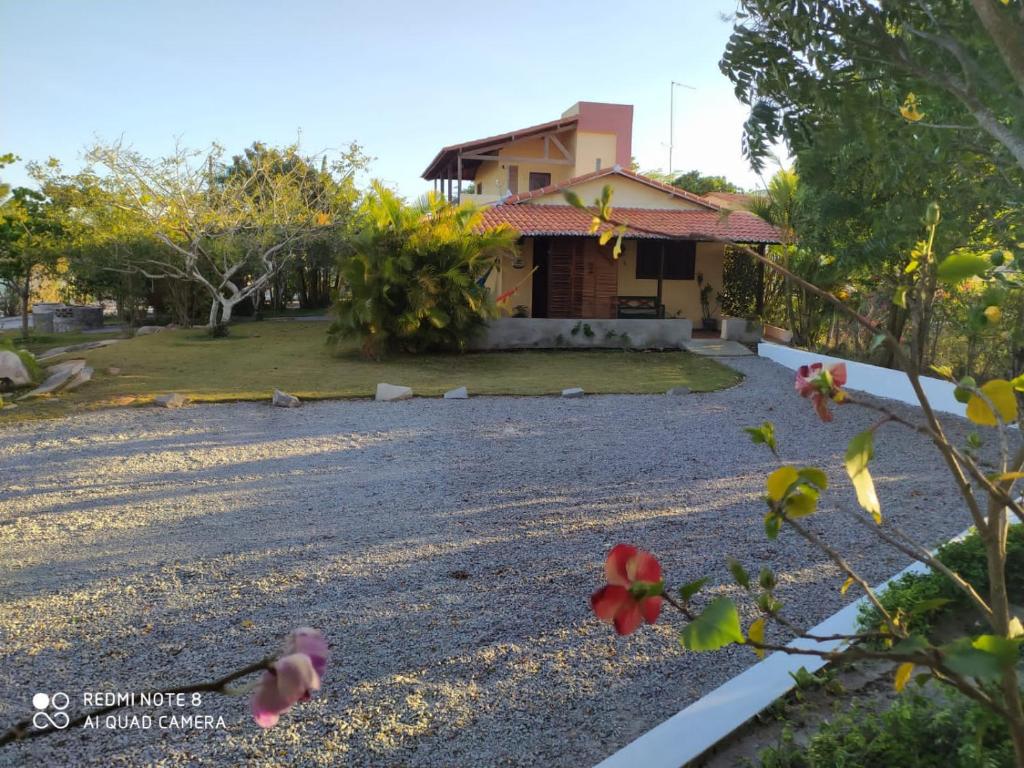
[538,333]
[492,176]
[873,379]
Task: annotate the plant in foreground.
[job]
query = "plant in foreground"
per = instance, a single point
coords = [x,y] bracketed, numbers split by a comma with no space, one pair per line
[287,680]
[983,667]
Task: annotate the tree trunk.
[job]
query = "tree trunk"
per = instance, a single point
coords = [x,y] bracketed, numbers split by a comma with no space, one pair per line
[226,307]
[26,292]
[214,307]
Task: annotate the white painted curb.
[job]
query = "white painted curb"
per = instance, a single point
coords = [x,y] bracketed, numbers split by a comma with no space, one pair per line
[690,733]
[873,379]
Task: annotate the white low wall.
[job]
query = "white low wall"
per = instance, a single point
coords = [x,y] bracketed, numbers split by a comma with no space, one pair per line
[873,379]
[545,333]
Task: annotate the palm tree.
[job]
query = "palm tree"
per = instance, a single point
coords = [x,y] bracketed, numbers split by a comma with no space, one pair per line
[414,280]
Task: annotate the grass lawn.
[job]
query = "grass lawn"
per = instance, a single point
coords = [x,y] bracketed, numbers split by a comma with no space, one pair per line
[295,357]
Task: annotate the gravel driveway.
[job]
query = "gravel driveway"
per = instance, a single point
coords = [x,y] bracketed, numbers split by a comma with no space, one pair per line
[447,548]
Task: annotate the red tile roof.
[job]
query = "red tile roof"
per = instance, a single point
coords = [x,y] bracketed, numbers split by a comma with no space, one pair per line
[446,155]
[564,220]
[613,169]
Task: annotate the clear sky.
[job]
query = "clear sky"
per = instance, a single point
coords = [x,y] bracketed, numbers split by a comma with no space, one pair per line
[403,78]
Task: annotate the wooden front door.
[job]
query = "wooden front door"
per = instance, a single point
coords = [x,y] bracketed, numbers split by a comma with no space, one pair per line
[600,280]
[565,277]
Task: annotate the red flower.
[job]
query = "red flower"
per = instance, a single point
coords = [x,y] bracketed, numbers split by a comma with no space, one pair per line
[633,592]
[821,384]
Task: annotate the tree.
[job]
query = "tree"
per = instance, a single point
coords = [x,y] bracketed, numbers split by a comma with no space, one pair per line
[694,181]
[29,241]
[962,63]
[413,282]
[231,232]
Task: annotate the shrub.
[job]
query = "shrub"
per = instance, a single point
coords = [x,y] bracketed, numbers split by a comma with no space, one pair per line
[414,280]
[966,557]
[920,731]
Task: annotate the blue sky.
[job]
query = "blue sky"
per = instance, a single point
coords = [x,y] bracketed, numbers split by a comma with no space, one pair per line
[401,78]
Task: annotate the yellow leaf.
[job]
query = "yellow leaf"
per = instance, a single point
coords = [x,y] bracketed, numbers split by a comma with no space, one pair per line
[595,224]
[779,481]
[846,585]
[248,624]
[1016,629]
[605,237]
[909,109]
[1000,392]
[993,314]
[1007,476]
[756,634]
[903,673]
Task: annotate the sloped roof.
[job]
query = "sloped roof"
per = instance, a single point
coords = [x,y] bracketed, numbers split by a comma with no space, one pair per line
[566,221]
[446,155]
[611,170]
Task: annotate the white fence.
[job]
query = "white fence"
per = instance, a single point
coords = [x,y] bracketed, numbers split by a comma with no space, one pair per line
[873,379]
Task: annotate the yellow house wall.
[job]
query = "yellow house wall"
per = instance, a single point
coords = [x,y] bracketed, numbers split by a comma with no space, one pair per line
[680,297]
[627,194]
[591,147]
[492,176]
[508,277]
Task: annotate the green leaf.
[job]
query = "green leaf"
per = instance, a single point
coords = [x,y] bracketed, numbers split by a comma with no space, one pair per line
[766,579]
[687,591]
[801,502]
[778,482]
[716,627]
[814,476]
[927,606]
[739,573]
[755,633]
[1005,650]
[961,265]
[962,657]
[573,199]
[900,297]
[763,435]
[912,644]
[965,389]
[772,525]
[858,453]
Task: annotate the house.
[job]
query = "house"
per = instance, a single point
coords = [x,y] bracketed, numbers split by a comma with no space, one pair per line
[561,271]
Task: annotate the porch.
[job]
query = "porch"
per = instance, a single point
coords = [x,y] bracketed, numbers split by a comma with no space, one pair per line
[569,277]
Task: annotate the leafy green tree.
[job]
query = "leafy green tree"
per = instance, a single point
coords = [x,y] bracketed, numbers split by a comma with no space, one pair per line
[959,66]
[413,280]
[30,242]
[230,233]
[694,181]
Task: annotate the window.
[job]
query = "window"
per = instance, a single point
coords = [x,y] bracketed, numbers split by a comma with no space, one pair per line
[680,259]
[539,180]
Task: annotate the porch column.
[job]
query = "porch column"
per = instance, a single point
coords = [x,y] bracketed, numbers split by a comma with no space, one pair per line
[762,249]
[449,172]
[661,273]
[459,173]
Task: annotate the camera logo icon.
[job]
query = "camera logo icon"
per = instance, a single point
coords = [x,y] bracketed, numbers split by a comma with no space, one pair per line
[44,703]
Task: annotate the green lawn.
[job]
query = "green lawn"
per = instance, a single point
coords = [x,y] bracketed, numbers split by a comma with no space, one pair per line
[295,357]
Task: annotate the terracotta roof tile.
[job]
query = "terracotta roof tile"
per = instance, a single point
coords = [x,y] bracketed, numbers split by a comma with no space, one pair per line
[564,220]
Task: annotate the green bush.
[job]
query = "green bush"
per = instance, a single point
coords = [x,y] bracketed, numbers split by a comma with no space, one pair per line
[412,283]
[906,595]
[915,732]
[35,370]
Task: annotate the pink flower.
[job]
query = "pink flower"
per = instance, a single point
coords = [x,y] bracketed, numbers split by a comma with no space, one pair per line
[292,677]
[821,384]
[310,642]
[633,592]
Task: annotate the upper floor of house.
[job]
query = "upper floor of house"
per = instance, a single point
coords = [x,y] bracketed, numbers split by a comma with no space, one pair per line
[589,136]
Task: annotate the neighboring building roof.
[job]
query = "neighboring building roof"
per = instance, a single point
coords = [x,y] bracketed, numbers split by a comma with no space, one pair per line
[564,220]
[447,155]
[739,201]
[619,171]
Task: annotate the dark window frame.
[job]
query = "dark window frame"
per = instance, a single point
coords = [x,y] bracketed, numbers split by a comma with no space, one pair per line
[530,182]
[680,259]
